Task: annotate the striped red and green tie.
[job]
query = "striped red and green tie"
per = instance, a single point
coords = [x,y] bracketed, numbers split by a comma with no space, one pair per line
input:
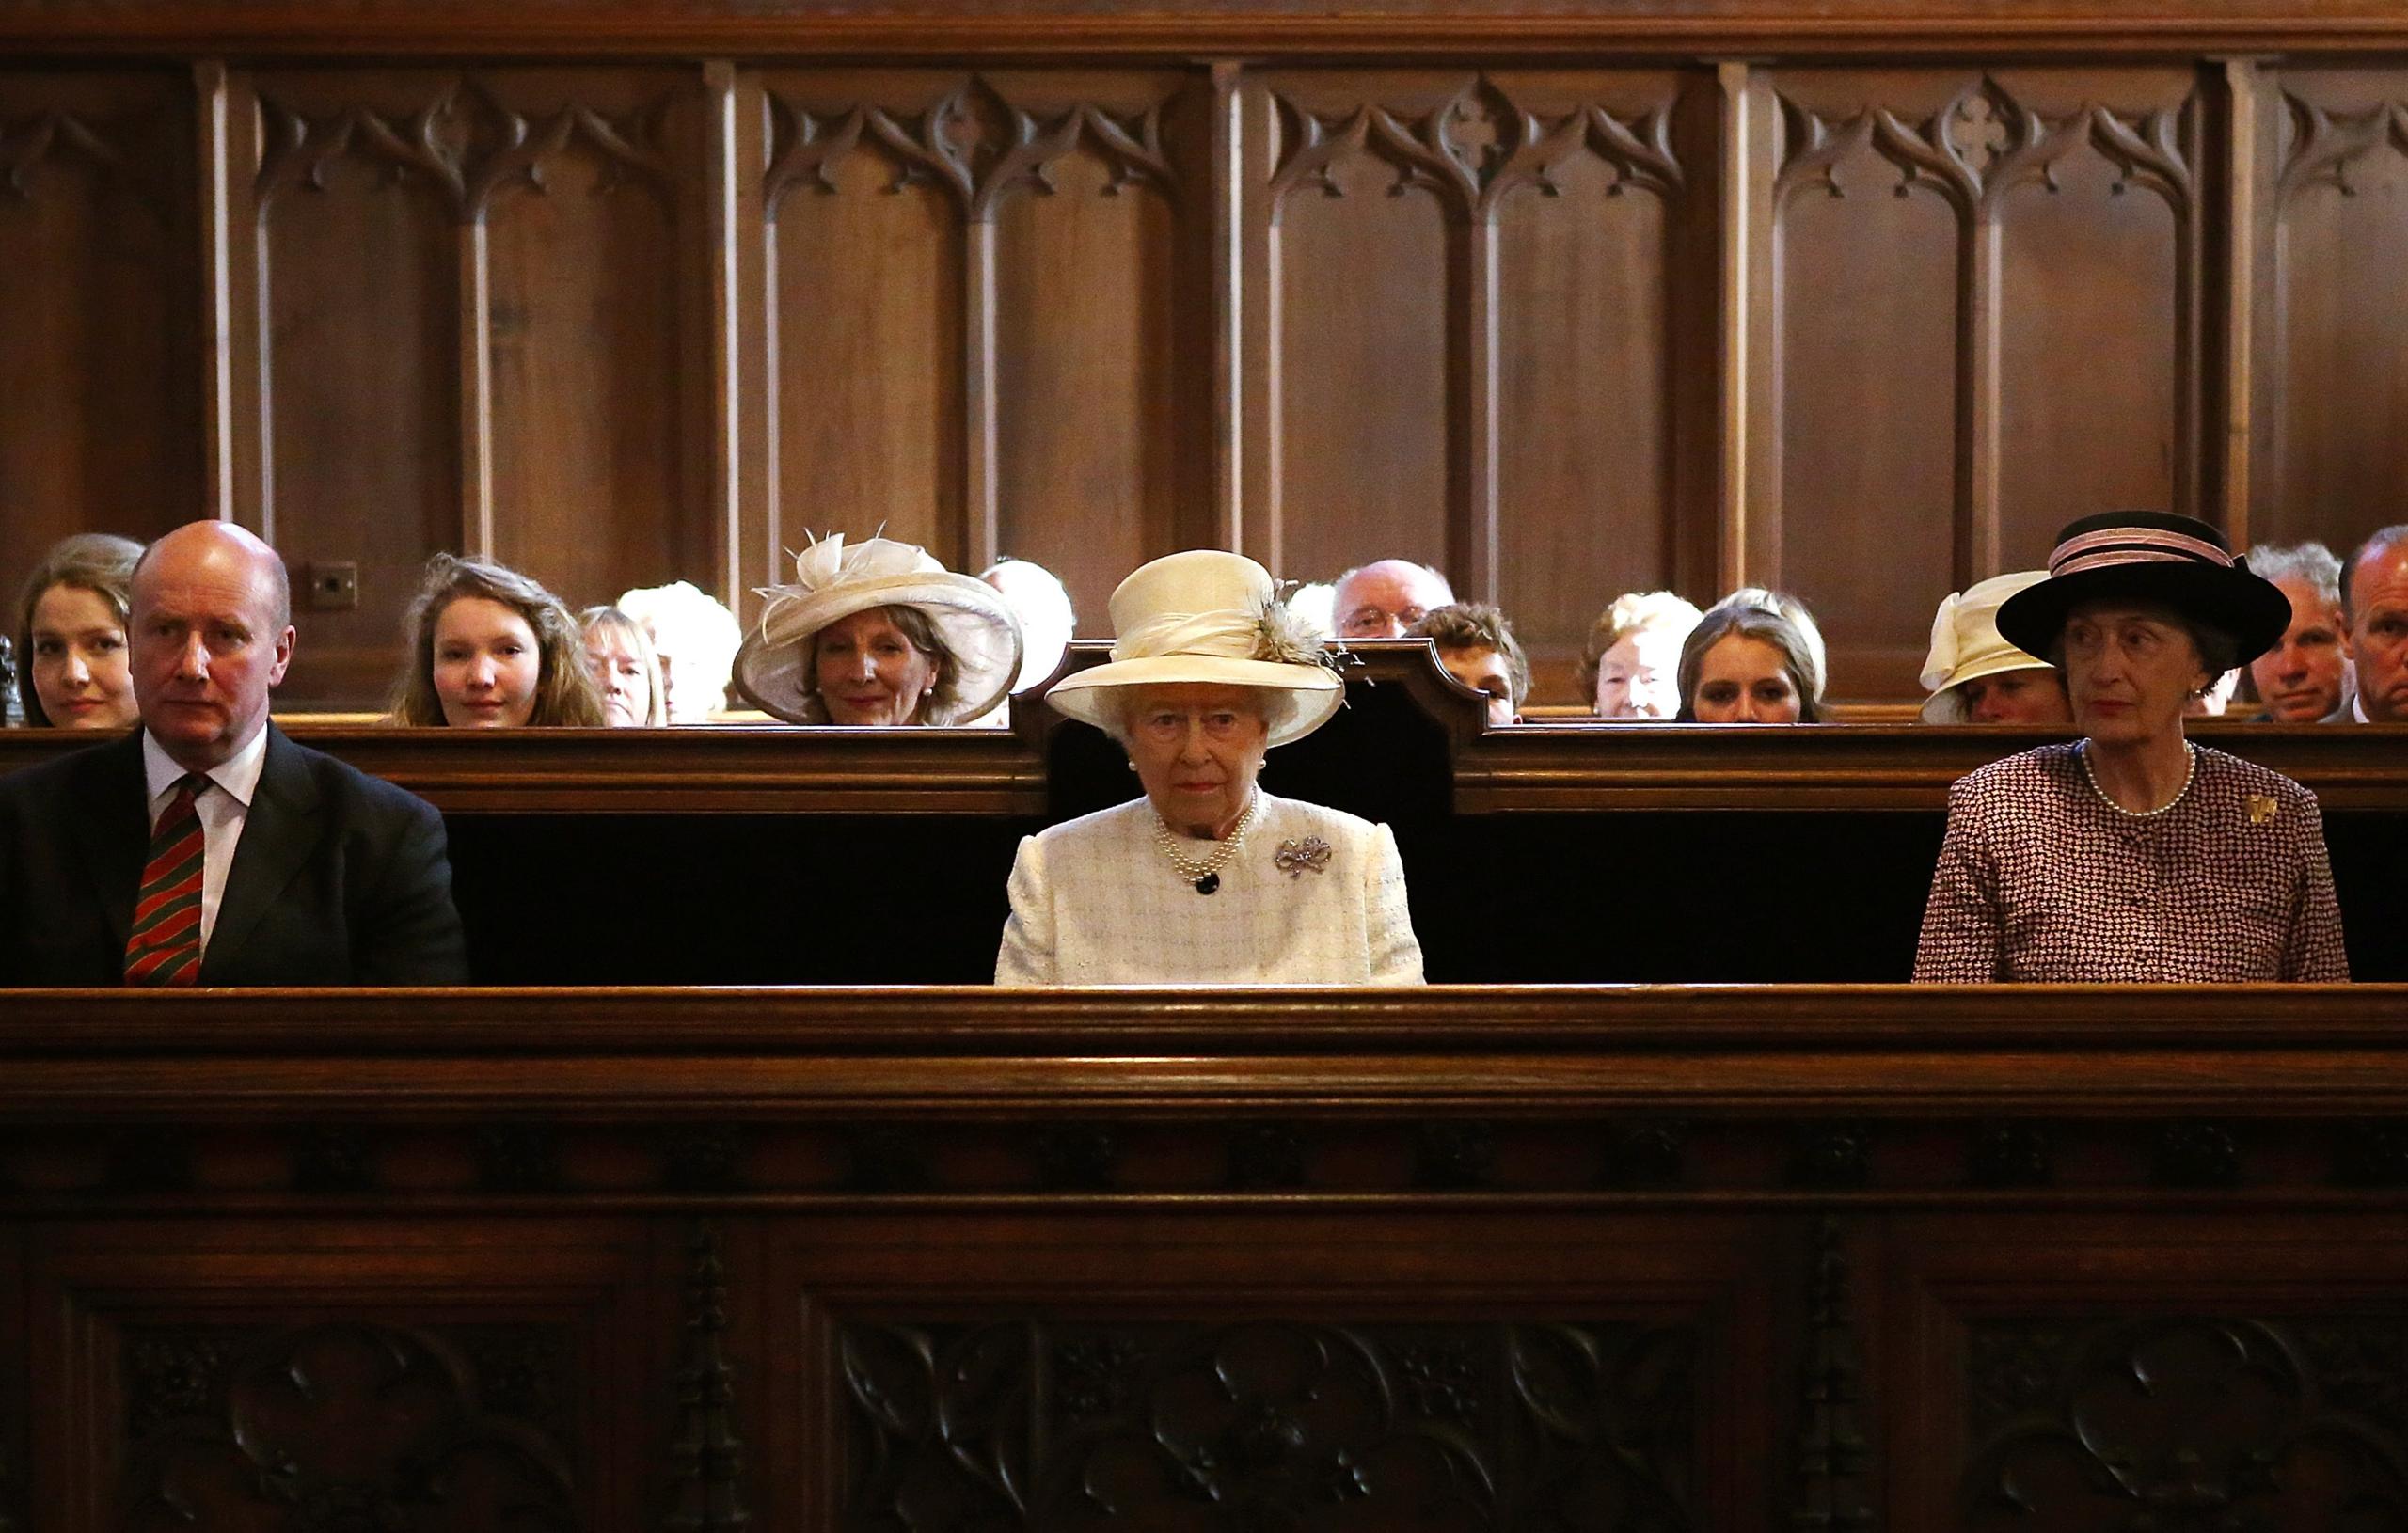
[164,947]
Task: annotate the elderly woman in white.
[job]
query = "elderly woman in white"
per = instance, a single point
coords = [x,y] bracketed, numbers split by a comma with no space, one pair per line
[1207,880]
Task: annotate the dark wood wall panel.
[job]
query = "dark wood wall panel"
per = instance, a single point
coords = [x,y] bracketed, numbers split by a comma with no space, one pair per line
[864,314]
[358,259]
[1868,264]
[2012,342]
[1561,319]
[2331,442]
[1089,345]
[592,308]
[100,361]
[2096,308]
[1592,315]
[1360,293]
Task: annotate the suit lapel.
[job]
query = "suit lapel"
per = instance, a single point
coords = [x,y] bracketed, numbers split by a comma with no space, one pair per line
[113,829]
[278,836]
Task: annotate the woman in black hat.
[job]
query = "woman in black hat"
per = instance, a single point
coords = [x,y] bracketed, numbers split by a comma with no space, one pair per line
[2134,854]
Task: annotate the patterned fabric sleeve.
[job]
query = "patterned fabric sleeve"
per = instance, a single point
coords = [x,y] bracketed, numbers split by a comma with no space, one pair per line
[1963,933]
[1026,958]
[1395,953]
[2313,951]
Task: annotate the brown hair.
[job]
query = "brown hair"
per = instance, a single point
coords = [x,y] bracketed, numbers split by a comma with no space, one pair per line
[564,691]
[943,700]
[100,563]
[1778,619]
[1461,625]
[610,620]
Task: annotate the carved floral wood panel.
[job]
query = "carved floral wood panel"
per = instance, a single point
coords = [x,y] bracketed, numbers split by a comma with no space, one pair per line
[334,1375]
[1259,1424]
[350,1425]
[2290,1423]
[100,368]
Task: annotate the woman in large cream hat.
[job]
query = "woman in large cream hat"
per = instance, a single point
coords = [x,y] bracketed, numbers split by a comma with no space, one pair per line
[1207,880]
[878,632]
[1974,676]
[2134,854]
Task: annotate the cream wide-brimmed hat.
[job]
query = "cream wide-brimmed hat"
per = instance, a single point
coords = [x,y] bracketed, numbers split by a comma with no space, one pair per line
[1211,617]
[832,581]
[1965,644]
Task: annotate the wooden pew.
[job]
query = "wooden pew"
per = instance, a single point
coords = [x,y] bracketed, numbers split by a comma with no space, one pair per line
[956,1260]
[1561,853]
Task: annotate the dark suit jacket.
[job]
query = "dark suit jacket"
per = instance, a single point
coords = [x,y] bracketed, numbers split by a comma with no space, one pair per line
[339,878]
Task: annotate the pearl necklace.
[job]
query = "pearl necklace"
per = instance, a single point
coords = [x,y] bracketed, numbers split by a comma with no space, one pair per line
[2191,753]
[1206,875]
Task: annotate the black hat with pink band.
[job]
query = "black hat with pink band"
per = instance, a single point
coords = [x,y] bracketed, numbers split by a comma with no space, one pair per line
[2149,556]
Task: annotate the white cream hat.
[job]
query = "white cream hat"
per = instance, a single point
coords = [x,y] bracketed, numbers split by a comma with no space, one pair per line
[1965,644]
[1211,617]
[834,581]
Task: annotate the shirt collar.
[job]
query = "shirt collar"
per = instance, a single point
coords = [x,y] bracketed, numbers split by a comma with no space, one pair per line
[238,774]
[2358,709]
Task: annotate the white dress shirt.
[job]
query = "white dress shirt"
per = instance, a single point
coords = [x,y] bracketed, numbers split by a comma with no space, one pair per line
[1094,902]
[222,807]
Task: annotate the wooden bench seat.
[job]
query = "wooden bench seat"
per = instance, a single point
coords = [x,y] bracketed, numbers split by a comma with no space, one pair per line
[1558,853]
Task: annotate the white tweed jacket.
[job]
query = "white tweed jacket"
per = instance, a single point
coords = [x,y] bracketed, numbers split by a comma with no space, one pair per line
[1094,902]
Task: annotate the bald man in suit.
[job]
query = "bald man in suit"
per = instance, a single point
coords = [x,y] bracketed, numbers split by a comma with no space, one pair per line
[207,847]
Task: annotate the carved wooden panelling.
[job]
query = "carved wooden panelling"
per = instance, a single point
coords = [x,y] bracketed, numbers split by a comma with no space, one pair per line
[2098,303]
[1869,392]
[375,1377]
[362,185]
[1989,317]
[1269,1424]
[1294,1369]
[1355,301]
[1100,368]
[348,1425]
[1481,288]
[474,293]
[973,331]
[862,318]
[100,362]
[594,335]
[1605,277]
[2331,430]
[2100,1371]
[1562,327]
[2205,1421]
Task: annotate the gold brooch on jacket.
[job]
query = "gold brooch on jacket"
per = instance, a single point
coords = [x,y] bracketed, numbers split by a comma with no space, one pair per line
[1295,856]
[2261,808]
